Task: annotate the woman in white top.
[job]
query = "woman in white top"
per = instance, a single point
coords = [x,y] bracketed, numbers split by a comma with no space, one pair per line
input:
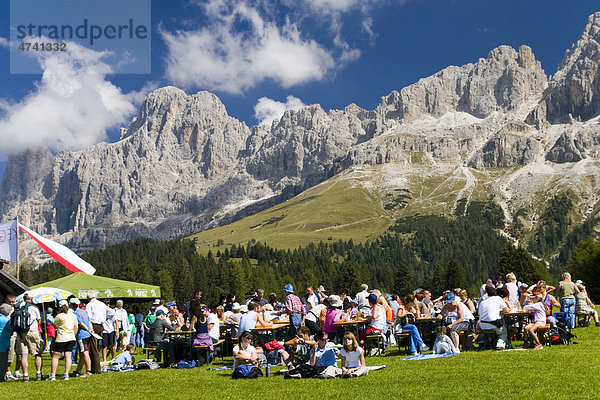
[244,352]
[353,357]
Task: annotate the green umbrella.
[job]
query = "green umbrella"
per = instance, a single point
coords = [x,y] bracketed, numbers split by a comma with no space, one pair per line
[79,284]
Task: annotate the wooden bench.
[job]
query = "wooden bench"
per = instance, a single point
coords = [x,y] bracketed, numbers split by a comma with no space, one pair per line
[543,334]
[147,351]
[403,339]
[379,340]
[206,351]
[582,319]
[490,339]
[465,341]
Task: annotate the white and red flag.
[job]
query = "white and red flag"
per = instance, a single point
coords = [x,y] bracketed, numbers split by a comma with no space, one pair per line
[61,253]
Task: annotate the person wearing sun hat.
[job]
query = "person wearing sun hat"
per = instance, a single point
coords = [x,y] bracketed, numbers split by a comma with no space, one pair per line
[455,318]
[295,309]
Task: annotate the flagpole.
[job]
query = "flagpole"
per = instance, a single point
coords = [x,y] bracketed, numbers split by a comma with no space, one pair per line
[18,248]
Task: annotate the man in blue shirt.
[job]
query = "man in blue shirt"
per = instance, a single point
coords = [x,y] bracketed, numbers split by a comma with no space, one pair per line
[83,338]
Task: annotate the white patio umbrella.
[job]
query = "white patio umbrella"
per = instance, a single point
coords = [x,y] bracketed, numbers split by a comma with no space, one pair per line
[45,294]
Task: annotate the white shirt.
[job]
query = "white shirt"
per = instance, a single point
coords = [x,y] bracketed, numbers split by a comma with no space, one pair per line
[247,352]
[489,309]
[353,357]
[313,300]
[96,311]
[379,322]
[361,299]
[315,312]
[109,324]
[214,332]
[121,316]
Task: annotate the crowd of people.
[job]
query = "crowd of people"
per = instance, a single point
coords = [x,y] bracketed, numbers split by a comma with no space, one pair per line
[96,334]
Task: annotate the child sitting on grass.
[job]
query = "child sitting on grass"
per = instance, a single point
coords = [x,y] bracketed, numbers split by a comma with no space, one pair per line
[443,344]
[353,357]
[126,357]
[539,309]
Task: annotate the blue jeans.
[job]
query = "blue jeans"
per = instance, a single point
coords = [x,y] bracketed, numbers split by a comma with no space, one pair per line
[568,306]
[415,337]
[295,322]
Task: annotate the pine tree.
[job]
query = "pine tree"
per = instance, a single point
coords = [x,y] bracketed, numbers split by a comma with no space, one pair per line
[454,275]
[403,283]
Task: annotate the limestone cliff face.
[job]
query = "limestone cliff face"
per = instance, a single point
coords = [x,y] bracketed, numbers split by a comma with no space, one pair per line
[184,164]
[574,91]
[501,82]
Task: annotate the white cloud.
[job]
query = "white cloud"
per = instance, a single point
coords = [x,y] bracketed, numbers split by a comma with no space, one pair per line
[4,42]
[242,47]
[71,107]
[266,110]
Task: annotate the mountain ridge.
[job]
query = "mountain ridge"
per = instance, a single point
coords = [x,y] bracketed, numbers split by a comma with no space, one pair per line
[184,164]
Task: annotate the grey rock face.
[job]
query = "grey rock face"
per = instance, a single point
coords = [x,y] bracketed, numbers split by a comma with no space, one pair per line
[508,147]
[574,91]
[501,82]
[184,164]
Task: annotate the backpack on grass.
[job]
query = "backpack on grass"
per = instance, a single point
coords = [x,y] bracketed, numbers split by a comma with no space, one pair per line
[246,372]
[19,320]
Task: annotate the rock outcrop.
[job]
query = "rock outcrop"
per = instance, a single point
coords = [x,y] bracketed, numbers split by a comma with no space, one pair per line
[184,164]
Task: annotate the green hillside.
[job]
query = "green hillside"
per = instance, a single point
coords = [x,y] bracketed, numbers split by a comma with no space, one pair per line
[336,209]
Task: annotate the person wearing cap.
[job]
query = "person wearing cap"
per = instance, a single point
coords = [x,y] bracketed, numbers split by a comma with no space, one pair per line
[161,306]
[333,314]
[30,341]
[321,293]
[313,317]
[66,327]
[456,317]
[156,335]
[295,309]
[376,318]
[539,310]
[96,311]
[83,335]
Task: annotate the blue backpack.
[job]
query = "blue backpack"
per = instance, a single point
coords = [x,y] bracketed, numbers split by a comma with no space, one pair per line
[246,372]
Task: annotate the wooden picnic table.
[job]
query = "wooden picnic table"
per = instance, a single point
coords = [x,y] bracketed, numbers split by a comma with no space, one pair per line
[520,319]
[426,327]
[270,329]
[351,325]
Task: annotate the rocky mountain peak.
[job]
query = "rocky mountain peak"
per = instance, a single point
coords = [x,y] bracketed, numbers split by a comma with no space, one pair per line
[574,91]
[502,81]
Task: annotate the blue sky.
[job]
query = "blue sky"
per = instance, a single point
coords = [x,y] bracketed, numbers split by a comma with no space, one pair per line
[261,57]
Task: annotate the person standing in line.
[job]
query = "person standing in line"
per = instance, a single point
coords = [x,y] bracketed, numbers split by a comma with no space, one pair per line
[567,291]
[84,333]
[295,309]
[362,299]
[109,334]
[11,300]
[65,324]
[31,341]
[122,319]
[5,334]
[96,311]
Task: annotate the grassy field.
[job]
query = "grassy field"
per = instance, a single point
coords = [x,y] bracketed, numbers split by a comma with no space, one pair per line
[333,210]
[558,372]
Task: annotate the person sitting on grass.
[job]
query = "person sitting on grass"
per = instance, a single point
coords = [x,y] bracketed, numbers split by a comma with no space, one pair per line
[244,352]
[443,344]
[538,308]
[66,327]
[126,357]
[323,354]
[298,349]
[353,357]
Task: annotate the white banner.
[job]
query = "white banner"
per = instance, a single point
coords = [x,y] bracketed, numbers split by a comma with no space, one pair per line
[8,241]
